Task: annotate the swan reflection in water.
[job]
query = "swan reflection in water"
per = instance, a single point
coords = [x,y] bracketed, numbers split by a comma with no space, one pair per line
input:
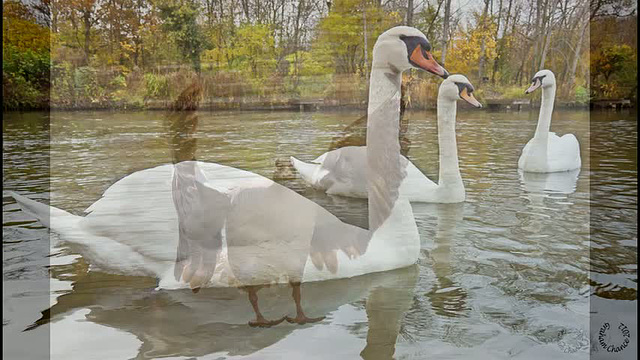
[180,323]
[446,296]
[547,195]
[556,182]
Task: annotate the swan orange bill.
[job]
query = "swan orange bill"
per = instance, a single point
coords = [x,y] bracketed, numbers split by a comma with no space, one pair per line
[425,61]
[468,97]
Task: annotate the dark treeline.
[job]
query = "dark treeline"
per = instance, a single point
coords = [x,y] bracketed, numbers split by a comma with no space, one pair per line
[143,53]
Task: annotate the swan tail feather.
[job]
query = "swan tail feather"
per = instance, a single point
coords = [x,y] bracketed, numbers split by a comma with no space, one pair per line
[48,216]
[320,159]
[306,170]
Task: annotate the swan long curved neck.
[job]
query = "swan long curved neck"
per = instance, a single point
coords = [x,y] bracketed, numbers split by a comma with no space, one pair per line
[384,97]
[449,168]
[546,109]
[384,165]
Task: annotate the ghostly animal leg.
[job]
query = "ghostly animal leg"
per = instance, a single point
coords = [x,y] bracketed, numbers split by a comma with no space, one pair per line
[300,318]
[260,321]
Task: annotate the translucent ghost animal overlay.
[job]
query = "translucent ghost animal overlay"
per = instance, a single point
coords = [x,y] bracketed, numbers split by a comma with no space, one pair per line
[272,234]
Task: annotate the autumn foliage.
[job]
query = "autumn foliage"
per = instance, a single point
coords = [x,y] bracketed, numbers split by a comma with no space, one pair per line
[143,53]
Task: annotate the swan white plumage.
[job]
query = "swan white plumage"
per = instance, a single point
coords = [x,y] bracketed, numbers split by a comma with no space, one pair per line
[258,231]
[343,171]
[547,152]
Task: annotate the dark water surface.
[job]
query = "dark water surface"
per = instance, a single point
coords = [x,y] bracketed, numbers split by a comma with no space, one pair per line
[503,275]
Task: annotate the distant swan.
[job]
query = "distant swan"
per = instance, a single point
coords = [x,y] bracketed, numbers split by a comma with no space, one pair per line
[547,152]
[258,231]
[343,171]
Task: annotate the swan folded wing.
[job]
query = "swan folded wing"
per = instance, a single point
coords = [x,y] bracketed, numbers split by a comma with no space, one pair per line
[570,143]
[138,183]
[137,211]
[564,152]
[325,174]
[526,153]
[344,171]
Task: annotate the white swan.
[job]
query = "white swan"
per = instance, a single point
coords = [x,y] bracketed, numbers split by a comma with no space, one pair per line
[267,233]
[548,152]
[343,171]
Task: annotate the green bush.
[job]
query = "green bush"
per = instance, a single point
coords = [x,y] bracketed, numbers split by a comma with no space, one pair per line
[156,86]
[30,65]
[119,82]
[20,93]
[582,95]
[514,92]
[25,76]
[62,85]
[312,86]
[86,86]
[346,89]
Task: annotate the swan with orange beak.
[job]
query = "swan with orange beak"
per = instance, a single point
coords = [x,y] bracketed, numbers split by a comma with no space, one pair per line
[419,54]
[343,171]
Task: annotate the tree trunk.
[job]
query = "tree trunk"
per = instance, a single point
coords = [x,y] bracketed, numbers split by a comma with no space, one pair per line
[500,47]
[445,31]
[482,60]
[296,43]
[54,17]
[86,18]
[545,47]
[576,56]
[409,13]
[366,46]
[538,28]
[506,24]
[428,32]
[245,9]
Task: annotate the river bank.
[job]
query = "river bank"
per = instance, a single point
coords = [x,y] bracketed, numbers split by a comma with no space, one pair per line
[295,105]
